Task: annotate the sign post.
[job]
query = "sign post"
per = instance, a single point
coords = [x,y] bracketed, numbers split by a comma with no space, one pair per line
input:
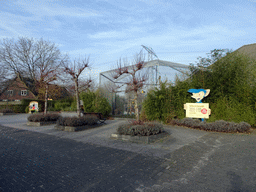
[198,109]
[33,107]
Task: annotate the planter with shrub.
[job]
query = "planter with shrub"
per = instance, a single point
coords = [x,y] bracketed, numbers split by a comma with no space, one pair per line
[217,126]
[7,112]
[140,132]
[72,124]
[41,119]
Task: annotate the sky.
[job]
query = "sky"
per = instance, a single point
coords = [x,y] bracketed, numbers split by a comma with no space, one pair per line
[106,30]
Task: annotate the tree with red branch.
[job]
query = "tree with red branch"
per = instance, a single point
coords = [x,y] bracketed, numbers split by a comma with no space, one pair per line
[135,83]
[74,70]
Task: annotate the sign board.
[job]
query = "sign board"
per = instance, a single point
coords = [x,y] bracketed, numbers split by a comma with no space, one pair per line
[197,110]
[33,105]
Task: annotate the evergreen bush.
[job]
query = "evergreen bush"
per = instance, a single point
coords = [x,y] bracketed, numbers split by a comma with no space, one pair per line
[93,102]
[7,110]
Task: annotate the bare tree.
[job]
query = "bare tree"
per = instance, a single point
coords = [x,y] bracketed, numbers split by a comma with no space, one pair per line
[135,83]
[131,100]
[4,77]
[74,70]
[36,60]
[48,72]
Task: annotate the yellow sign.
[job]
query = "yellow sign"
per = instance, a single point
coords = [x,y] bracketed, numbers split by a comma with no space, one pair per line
[197,110]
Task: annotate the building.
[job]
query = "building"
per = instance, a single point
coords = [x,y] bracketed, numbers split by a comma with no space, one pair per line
[17,89]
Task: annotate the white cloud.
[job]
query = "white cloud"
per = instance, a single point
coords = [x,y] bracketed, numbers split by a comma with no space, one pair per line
[128,33]
[46,8]
[109,34]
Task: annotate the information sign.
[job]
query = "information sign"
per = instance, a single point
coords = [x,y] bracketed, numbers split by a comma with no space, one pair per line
[198,110]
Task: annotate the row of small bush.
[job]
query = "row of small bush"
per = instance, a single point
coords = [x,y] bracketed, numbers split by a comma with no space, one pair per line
[77,121]
[17,108]
[7,110]
[140,128]
[43,117]
[218,126]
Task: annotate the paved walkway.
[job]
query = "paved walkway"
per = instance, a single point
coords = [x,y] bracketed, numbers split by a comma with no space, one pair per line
[188,160]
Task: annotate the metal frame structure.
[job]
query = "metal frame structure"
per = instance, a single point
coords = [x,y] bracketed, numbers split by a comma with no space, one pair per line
[149,64]
[175,66]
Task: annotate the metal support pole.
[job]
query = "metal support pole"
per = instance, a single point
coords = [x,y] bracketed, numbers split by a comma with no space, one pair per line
[156,75]
[100,81]
[115,105]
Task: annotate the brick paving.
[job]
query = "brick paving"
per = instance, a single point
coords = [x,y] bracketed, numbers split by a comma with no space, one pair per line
[215,162]
[47,160]
[32,161]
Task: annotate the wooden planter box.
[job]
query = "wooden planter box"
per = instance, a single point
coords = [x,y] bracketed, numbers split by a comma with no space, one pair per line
[140,139]
[38,124]
[1,114]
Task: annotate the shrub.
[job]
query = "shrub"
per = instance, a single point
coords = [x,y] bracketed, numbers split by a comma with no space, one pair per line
[52,109]
[7,110]
[218,126]
[77,121]
[93,102]
[101,105]
[140,128]
[42,117]
[135,122]
[190,122]
[61,105]
[91,119]
[27,109]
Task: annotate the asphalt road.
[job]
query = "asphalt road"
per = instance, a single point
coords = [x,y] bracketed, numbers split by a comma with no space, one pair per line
[41,159]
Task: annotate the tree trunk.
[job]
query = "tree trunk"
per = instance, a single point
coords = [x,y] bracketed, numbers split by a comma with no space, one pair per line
[45,99]
[130,106]
[136,106]
[77,98]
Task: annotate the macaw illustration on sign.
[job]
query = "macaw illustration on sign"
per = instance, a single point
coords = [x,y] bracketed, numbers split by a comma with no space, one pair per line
[198,95]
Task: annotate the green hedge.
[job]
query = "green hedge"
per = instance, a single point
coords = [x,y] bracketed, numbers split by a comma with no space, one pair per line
[16,108]
[67,104]
[93,102]
[25,102]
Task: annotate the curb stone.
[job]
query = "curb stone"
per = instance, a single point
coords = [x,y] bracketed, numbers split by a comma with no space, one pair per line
[140,139]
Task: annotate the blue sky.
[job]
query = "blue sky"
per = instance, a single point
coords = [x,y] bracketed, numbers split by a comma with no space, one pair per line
[178,31]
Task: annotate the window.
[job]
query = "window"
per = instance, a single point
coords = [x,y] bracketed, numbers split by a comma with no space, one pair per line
[23,92]
[10,92]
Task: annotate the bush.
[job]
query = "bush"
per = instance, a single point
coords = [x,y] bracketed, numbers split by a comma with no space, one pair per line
[7,110]
[218,126]
[27,109]
[93,102]
[52,109]
[17,108]
[43,118]
[61,105]
[77,121]
[140,128]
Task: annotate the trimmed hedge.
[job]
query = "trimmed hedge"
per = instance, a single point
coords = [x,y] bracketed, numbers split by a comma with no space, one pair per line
[43,118]
[15,108]
[218,126]
[7,110]
[25,103]
[140,128]
[77,121]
